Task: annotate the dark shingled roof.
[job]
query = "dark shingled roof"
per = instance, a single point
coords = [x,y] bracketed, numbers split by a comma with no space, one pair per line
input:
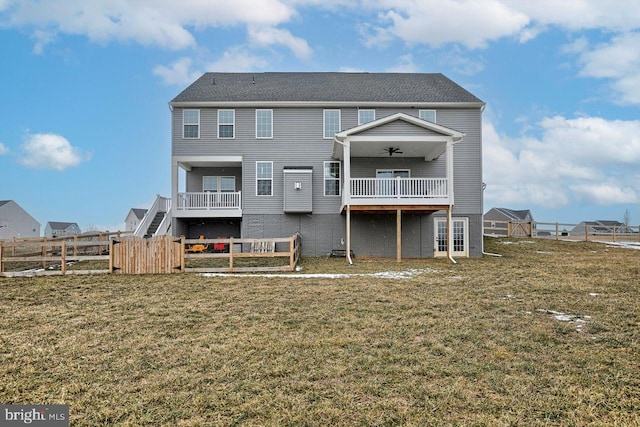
[324,87]
[55,225]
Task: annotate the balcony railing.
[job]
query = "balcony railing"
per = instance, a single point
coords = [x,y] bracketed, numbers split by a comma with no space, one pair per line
[209,201]
[399,188]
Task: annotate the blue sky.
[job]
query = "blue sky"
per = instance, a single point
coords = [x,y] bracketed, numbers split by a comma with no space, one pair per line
[84,127]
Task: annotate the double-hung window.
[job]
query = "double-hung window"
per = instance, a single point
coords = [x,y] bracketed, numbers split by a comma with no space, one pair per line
[226,124]
[264,178]
[331,178]
[331,123]
[366,116]
[219,184]
[191,124]
[428,115]
[264,124]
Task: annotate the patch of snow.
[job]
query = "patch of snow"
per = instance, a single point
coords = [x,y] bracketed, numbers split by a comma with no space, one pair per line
[593,294]
[407,274]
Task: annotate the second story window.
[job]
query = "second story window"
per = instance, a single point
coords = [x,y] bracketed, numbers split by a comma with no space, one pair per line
[264,178]
[331,123]
[366,116]
[264,123]
[191,124]
[227,124]
[428,115]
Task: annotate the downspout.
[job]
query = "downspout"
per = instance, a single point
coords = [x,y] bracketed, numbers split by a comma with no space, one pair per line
[450,195]
[450,236]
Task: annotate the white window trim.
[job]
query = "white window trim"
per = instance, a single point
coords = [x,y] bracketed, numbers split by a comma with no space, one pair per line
[324,122]
[227,124]
[465,251]
[394,170]
[271,179]
[360,122]
[325,178]
[264,137]
[190,124]
[218,183]
[434,115]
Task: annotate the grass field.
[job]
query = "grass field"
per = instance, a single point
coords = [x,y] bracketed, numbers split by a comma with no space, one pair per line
[547,334]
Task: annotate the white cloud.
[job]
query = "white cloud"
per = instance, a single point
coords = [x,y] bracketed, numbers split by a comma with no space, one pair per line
[179,73]
[268,36]
[619,61]
[3,149]
[162,23]
[406,65]
[586,159]
[472,23]
[237,59]
[576,15]
[49,151]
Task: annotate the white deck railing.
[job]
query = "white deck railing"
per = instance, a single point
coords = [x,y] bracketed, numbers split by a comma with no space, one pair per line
[209,201]
[399,188]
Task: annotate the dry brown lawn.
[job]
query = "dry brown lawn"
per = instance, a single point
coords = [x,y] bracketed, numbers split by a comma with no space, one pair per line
[547,334]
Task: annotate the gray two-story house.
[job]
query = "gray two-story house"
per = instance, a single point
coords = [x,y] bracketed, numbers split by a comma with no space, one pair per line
[378,164]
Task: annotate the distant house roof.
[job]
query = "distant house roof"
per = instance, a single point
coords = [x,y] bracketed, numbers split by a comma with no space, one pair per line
[4,202]
[61,225]
[139,213]
[515,214]
[325,87]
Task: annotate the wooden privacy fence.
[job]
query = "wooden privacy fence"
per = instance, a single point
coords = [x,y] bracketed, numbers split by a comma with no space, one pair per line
[136,255]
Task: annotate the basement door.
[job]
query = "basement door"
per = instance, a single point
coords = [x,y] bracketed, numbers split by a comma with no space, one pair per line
[460,237]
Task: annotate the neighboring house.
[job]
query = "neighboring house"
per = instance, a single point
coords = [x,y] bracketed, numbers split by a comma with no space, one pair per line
[367,162]
[16,222]
[54,228]
[600,227]
[134,218]
[496,220]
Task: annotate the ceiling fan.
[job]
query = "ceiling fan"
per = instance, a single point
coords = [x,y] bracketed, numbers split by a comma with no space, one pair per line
[392,151]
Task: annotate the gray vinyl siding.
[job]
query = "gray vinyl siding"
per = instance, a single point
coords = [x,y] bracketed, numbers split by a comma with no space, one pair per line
[298,200]
[398,128]
[298,141]
[194,178]
[16,222]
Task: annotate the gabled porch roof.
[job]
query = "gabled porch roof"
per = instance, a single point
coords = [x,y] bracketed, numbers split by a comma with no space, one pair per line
[429,141]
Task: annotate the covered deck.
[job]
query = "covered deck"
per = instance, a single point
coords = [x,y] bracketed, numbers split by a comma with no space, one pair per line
[398,135]
[222,202]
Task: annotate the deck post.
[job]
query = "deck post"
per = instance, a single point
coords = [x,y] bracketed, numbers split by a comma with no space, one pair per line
[399,235]
[348,253]
[449,234]
[44,254]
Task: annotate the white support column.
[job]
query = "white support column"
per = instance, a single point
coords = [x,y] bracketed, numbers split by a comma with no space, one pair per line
[346,188]
[449,168]
[174,183]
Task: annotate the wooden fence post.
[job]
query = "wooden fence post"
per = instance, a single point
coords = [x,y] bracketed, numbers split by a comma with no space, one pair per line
[230,254]
[509,229]
[557,231]
[183,266]
[63,257]
[44,254]
[614,233]
[291,251]
[586,232]
[1,264]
